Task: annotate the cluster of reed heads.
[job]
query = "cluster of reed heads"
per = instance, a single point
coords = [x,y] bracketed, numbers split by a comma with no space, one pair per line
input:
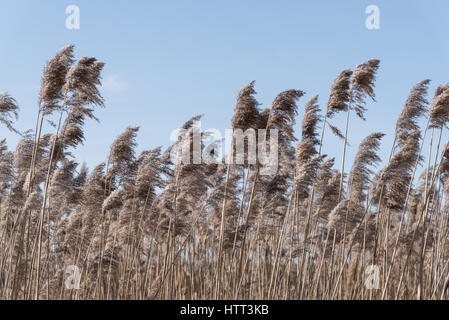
[143,227]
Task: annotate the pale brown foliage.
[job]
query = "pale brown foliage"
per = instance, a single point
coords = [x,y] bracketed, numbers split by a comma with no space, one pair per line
[143,226]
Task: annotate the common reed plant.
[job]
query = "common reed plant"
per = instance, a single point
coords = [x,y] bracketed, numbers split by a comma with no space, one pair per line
[143,226]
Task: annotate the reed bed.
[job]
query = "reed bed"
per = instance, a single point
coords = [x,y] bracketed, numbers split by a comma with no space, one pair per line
[140,226]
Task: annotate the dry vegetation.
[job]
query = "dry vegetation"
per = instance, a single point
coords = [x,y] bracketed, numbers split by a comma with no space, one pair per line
[141,227]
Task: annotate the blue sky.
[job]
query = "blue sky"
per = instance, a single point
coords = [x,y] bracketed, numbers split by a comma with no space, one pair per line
[169,60]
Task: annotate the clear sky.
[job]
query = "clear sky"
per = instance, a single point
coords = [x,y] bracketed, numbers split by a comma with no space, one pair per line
[169,60]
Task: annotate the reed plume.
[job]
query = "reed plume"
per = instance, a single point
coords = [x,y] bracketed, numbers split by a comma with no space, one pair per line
[160,225]
[8,111]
